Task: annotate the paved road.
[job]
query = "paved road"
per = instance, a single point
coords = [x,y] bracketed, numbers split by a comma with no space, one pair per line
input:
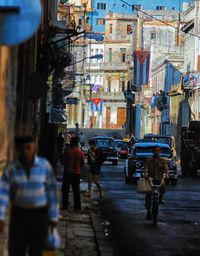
[178,231]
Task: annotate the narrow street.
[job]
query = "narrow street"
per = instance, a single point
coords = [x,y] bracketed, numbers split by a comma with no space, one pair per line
[88,81]
[178,231]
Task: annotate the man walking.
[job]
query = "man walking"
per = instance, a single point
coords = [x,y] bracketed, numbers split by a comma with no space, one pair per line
[155,168]
[73,161]
[95,161]
[30,186]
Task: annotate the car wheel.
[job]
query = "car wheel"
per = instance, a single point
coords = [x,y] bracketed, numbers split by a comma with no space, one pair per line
[115,162]
[173,182]
[127,180]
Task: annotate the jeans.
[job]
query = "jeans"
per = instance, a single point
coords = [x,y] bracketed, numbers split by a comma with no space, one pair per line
[27,231]
[71,179]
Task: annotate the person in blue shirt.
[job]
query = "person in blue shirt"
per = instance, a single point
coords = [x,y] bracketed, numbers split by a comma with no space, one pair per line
[29,186]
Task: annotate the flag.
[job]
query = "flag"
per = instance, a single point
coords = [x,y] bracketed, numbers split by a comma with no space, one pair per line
[96,105]
[141,67]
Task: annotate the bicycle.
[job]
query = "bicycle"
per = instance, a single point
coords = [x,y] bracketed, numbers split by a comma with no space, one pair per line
[155,200]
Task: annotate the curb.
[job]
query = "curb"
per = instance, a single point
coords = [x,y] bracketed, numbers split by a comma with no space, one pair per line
[101,231]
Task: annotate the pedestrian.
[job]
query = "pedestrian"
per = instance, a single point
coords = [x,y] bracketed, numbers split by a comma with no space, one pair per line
[73,160]
[95,162]
[77,130]
[155,168]
[82,140]
[29,185]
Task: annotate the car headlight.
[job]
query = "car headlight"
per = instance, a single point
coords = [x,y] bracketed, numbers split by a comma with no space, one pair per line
[138,164]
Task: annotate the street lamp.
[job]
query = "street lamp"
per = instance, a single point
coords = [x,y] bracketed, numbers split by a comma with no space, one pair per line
[97,56]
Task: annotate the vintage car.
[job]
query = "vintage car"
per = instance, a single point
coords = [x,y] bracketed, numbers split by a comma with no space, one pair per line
[160,138]
[134,165]
[122,148]
[108,149]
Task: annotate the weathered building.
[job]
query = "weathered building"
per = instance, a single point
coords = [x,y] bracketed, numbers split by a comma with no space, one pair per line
[118,50]
[191,69]
[162,40]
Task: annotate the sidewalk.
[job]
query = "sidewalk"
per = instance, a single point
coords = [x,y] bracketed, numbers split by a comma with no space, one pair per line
[84,233]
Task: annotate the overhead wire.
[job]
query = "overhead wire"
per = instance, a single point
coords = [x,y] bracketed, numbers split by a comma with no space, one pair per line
[161,21]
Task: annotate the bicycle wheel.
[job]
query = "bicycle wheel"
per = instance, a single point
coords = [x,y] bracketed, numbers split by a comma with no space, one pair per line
[155,212]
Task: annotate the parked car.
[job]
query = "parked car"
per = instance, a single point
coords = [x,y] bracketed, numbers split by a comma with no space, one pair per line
[107,146]
[134,165]
[122,148]
[166,139]
[123,153]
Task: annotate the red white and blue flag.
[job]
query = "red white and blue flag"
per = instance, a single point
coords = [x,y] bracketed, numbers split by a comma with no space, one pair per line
[96,105]
[141,67]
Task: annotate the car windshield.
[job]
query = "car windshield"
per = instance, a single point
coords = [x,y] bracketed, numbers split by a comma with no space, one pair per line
[120,144]
[124,147]
[104,142]
[148,151]
[158,139]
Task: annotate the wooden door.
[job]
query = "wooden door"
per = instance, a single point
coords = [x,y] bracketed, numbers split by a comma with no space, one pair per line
[108,110]
[121,117]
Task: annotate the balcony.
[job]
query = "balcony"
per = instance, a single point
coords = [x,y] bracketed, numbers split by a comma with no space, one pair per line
[123,66]
[94,66]
[106,95]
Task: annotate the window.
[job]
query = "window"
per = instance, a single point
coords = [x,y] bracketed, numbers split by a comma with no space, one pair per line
[100,21]
[91,54]
[109,84]
[129,29]
[87,20]
[122,84]
[96,53]
[80,22]
[136,7]
[123,54]
[110,55]
[153,35]
[160,7]
[123,57]
[101,6]
[110,29]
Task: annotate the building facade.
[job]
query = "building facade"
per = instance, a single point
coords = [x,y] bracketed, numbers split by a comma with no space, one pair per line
[102,8]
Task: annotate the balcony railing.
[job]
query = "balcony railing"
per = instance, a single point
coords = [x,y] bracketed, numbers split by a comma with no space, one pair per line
[116,66]
[106,95]
[94,65]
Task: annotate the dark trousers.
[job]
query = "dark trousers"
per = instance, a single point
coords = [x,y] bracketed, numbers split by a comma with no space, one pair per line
[71,179]
[148,197]
[28,231]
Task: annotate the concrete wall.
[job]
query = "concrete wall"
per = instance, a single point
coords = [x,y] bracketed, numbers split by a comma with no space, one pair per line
[8,74]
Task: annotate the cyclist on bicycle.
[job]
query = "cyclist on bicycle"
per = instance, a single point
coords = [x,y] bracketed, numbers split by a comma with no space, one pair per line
[155,168]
